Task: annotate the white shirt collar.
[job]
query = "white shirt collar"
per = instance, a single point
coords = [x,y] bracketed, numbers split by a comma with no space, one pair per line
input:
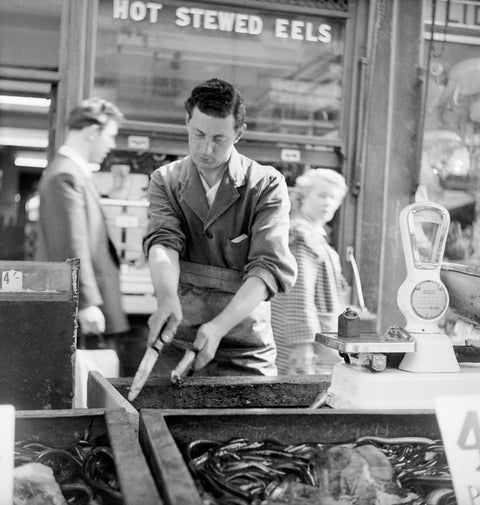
[210,192]
[77,158]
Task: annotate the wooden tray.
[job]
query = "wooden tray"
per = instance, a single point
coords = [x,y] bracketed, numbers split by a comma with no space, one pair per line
[38,307]
[165,434]
[61,427]
[208,392]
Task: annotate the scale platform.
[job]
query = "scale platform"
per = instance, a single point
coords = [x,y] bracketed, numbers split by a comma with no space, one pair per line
[355,387]
[366,343]
[358,387]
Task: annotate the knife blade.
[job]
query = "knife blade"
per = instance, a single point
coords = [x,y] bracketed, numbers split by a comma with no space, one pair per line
[145,368]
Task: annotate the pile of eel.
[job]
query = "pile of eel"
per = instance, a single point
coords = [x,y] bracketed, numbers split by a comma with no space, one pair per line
[368,471]
[83,473]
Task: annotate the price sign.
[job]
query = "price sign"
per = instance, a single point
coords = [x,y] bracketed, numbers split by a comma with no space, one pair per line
[459,421]
[138,142]
[12,280]
[7,444]
[290,155]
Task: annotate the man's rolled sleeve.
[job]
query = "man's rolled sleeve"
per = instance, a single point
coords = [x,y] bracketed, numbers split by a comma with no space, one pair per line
[164,226]
[270,257]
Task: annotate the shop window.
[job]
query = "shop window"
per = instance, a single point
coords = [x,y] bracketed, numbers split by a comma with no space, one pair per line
[450,167]
[30,33]
[288,66]
[451,141]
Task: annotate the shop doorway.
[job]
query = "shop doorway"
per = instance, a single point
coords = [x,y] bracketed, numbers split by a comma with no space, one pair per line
[26,117]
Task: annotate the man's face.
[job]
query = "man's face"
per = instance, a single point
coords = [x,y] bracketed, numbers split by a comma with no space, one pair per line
[211,139]
[103,141]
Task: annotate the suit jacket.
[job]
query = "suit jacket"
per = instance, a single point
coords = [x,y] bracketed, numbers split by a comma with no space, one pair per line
[72,225]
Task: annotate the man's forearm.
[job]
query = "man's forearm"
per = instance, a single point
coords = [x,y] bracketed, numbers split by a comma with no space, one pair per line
[164,270]
[252,292]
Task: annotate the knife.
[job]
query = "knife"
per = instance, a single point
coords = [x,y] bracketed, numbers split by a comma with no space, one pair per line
[145,368]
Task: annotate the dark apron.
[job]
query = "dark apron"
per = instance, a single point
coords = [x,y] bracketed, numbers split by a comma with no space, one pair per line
[247,349]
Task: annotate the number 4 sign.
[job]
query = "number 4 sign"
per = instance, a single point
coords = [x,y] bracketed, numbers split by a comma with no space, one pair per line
[459,421]
[12,280]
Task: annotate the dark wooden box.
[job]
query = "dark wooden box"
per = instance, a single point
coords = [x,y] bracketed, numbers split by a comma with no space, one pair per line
[58,428]
[208,392]
[165,434]
[38,307]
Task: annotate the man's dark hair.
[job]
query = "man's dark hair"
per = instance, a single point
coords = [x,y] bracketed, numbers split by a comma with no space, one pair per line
[217,98]
[93,111]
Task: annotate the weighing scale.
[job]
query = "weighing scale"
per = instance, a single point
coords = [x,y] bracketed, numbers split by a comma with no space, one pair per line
[427,366]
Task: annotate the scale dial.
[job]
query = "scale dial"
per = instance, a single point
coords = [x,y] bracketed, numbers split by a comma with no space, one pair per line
[429,300]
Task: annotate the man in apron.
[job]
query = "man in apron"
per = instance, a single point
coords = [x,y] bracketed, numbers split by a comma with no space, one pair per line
[217,244]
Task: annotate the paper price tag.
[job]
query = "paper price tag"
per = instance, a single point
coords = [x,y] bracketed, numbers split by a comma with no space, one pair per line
[459,421]
[12,280]
[290,155]
[7,445]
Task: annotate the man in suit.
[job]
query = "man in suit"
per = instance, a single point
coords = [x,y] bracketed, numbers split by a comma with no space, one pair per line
[72,223]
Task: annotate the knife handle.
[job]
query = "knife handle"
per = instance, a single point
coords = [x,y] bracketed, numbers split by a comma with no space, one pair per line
[158,345]
[185,365]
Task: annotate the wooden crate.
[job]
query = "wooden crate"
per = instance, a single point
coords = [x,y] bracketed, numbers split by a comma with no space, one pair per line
[165,434]
[208,392]
[38,307]
[61,427]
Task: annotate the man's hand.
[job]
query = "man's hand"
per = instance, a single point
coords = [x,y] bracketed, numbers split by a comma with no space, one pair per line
[302,359]
[206,343]
[91,320]
[251,293]
[167,316]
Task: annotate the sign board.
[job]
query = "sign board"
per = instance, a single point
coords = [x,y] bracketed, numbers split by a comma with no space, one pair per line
[290,155]
[227,19]
[461,13]
[139,142]
[459,421]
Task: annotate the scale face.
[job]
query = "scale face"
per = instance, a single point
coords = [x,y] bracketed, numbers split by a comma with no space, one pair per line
[422,298]
[429,300]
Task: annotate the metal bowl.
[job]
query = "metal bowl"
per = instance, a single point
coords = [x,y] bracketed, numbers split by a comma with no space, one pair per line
[463,286]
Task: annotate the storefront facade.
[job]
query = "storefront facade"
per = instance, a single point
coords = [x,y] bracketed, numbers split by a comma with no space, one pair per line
[327,84]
